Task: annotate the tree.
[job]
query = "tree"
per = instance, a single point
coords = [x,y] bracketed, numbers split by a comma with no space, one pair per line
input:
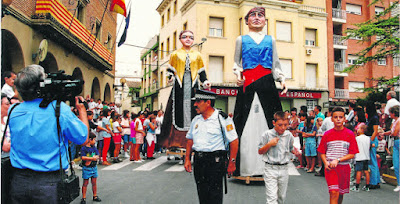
[385,27]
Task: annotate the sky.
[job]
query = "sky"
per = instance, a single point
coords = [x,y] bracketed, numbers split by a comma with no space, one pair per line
[144,24]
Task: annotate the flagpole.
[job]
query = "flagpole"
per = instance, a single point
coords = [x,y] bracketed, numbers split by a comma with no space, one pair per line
[101,22]
[72,20]
[119,29]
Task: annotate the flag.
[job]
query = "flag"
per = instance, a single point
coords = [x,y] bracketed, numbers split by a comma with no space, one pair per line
[118,6]
[123,36]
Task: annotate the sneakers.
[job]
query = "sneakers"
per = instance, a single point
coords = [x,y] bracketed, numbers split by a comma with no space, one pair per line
[138,161]
[397,189]
[365,188]
[126,155]
[355,189]
[305,169]
[96,199]
[106,163]
[299,167]
[382,181]
[83,201]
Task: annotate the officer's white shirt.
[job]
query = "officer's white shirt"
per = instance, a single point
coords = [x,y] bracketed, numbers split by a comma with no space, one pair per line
[207,135]
[8,90]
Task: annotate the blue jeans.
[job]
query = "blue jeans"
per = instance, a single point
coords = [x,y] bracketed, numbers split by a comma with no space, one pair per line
[396,160]
[373,164]
[28,186]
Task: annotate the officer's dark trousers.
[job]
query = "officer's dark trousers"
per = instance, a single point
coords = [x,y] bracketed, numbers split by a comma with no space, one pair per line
[208,174]
[28,186]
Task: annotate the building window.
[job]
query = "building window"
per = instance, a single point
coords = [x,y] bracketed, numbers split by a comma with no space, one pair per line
[355,37]
[356,86]
[284,31]
[80,12]
[216,27]
[378,10]
[382,61]
[162,20]
[175,6]
[352,60]
[98,30]
[353,9]
[167,45]
[311,103]
[108,42]
[185,26]
[311,37]
[311,75]
[168,14]
[215,69]
[396,60]
[286,65]
[174,41]
[162,51]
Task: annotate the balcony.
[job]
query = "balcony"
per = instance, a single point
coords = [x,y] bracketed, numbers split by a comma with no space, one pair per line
[339,67]
[339,43]
[338,16]
[152,89]
[342,93]
[54,20]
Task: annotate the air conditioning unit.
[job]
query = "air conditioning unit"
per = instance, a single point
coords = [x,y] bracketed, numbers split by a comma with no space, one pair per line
[308,51]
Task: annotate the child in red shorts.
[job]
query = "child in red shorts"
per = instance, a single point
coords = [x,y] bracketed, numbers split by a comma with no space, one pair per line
[338,146]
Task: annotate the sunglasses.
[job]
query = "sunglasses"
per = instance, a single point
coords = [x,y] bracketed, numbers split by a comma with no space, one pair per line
[187,36]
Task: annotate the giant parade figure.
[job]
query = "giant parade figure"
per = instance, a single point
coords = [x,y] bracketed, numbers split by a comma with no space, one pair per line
[186,70]
[257,67]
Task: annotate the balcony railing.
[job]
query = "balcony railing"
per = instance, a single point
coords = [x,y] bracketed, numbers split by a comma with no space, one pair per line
[341,93]
[339,66]
[337,40]
[339,13]
[312,8]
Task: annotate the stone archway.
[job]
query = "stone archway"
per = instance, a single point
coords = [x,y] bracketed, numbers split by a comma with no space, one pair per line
[12,58]
[49,64]
[95,93]
[77,74]
[107,93]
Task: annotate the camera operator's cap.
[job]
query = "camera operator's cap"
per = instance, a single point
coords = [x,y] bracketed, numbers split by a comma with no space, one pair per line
[204,95]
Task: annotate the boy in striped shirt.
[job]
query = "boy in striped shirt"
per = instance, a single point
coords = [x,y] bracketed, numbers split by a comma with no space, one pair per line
[338,146]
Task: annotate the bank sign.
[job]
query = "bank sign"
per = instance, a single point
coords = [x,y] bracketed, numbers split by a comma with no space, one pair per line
[289,94]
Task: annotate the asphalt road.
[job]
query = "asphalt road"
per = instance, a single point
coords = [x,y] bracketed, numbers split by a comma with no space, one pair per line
[165,182]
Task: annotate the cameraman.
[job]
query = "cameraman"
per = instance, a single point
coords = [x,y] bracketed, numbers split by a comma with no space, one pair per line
[35,146]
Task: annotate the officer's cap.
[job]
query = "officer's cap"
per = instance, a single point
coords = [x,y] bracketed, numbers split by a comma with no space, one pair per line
[204,95]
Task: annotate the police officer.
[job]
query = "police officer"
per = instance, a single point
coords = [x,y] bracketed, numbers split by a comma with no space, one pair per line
[209,135]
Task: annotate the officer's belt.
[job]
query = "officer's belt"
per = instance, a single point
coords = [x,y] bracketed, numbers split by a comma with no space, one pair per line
[278,164]
[200,154]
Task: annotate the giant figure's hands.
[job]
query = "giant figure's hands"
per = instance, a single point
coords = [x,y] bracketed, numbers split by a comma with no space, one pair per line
[240,82]
[206,84]
[284,87]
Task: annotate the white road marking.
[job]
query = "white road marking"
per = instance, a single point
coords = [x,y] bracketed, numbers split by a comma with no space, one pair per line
[292,170]
[151,165]
[176,168]
[126,162]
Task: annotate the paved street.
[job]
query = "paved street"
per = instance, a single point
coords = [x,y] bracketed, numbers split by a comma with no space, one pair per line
[161,181]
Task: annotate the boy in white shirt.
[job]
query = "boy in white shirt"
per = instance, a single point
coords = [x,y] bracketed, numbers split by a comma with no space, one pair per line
[362,158]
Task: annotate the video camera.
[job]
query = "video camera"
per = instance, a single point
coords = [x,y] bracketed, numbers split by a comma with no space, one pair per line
[59,86]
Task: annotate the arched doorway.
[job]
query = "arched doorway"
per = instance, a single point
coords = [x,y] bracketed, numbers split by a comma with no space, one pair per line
[49,63]
[107,93]
[77,74]
[12,58]
[95,93]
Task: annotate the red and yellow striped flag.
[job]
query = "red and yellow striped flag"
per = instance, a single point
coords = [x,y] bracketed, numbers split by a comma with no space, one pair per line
[118,6]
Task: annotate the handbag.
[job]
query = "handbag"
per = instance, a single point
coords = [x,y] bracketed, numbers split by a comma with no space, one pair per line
[68,187]
[7,170]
